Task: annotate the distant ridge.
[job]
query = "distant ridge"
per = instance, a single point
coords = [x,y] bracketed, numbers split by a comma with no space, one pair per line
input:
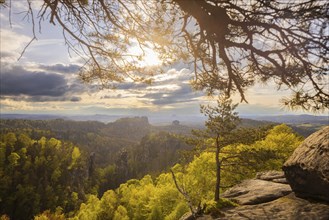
[32,116]
[295,119]
[96,117]
[166,120]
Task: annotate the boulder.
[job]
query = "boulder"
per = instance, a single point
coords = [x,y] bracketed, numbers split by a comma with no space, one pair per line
[256,191]
[307,170]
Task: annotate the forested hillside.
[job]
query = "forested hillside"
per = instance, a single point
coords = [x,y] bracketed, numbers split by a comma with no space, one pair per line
[105,141]
[158,198]
[58,163]
[110,147]
[39,174]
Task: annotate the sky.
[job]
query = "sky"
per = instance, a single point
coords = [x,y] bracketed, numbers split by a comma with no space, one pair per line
[45,81]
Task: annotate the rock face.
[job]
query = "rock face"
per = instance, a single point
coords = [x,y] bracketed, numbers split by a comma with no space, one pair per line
[256,191]
[273,175]
[270,197]
[264,198]
[307,170]
[287,207]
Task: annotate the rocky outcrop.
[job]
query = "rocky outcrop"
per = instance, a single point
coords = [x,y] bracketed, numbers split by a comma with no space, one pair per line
[256,191]
[287,207]
[273,175]
[307,170]
[264,198]
[270,197]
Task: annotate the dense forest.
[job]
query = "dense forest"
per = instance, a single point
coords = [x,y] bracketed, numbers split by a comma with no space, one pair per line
[60,169]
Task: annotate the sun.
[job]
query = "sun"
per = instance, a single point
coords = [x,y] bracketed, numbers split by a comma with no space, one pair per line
[150,58]
[147,57]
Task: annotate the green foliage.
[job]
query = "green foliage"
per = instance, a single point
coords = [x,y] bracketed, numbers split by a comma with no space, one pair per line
[244,161]
[147,150]
[13,159]
[34,176]
[159,198]
[45,175]
[108,204]
[88,210]
[47,215]
[222,120]
[178,212]
[277,147]
[214,208]
[121,214]
[156,213]
[155,152]
[200,178]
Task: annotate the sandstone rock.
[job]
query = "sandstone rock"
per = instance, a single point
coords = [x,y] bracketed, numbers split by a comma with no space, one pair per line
[256,191]
[307,170]
[189,216]
[270,175]
[273,175]
[287,207]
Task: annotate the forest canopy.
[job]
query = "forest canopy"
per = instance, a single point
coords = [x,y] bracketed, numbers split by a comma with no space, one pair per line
[82,170]
[230,44]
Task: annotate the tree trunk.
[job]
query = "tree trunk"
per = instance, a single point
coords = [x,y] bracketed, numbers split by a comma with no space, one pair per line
[217,189]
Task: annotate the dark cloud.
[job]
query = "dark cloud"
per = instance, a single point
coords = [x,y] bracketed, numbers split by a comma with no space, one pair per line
[183,94]
[75,99]
[111,96]
[61,68]
[5,54]
[77,86]
[130,86]
[43,98]
[18,81]
[19,84]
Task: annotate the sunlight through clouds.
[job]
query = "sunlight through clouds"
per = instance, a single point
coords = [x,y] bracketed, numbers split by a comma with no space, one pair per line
[46,60]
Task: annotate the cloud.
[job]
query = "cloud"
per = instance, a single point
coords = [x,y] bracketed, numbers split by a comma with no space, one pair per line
[167,89]
[21,84]
[19,81]
[41,98]
[118,96]
[61,68]
[173,76]
[34,84]
[12,45]
[6,54]
[75,99]
[170,89]
[182,93]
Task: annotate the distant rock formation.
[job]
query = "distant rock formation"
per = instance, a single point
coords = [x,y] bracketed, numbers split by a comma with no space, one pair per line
[307,170]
